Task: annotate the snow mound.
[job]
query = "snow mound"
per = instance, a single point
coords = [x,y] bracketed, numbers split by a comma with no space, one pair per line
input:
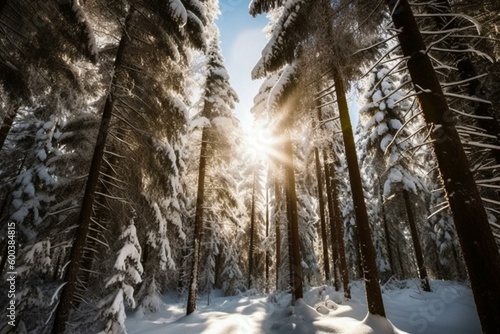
[449,308]
[375,324]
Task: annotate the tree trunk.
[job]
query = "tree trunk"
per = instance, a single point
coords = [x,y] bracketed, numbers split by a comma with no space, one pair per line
[400,259]
[278,239]
[370,270]
[267,236]
[470,218]
[198,226]
[289,237]
[344,271]
[331,216]
[8,120]
[324,239]
[252,232]
[294,223]
[388,240]
[422,271]
[217,270]
[64,306]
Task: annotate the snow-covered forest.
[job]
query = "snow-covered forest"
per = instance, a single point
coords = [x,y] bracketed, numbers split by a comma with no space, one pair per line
[132,200]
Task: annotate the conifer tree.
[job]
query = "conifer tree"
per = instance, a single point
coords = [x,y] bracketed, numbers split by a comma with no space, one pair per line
[219,99]
[464,199]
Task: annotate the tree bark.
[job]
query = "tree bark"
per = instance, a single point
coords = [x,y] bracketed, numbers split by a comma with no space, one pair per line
[294,223]
[422,271]
[289,245]
[400,259]
[324,239]
[370,270]
[344,270]
[388,240]
[267,236]
[470,218]
[278,238]
[64,306]
[198,227]
[252,232]
[332,218]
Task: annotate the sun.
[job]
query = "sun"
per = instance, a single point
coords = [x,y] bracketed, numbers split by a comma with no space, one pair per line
[259,142]
[262,144]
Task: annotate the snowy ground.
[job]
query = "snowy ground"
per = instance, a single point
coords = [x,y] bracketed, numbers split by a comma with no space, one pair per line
[448,309]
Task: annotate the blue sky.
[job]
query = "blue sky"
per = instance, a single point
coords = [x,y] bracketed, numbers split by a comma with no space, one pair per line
[242,41]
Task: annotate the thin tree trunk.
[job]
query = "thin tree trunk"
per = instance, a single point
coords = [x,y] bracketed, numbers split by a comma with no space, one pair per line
[388,239]
[331,215]
[469,216]
[252,232]
[336,224]
[289,237]
[400,259]
[422,271]
[63,308]
[267,236]
[8,120]
[324,239]
[294,223]
[217,270]
[344,271]
[198,226]
[370,270]
[278,238]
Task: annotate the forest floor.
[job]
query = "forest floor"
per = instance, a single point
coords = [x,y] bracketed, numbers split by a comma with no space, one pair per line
[448,309]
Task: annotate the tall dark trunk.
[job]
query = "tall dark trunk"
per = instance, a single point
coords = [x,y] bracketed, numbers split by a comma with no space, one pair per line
[370,270]
[339,226]
[217,270]
[278,238]
[332,218]
[198,227]
[100,210]
[324,239]
[252,233]
[8,120]
[294,223]
[470,218]
[401,264]
[63,308]
[422,271]
[388,240]
[268,260]
[289,247]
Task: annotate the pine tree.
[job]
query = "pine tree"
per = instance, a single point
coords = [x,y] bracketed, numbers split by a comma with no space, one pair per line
[462,193]
[128,273]
[218,101]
